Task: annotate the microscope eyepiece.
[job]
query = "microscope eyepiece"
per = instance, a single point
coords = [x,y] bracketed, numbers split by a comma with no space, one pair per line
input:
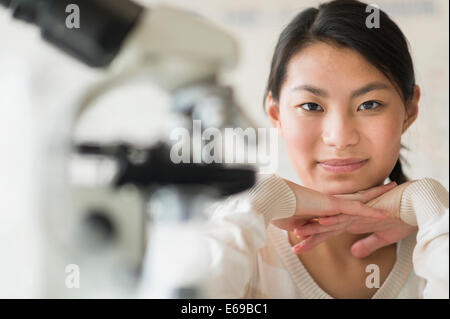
[5,3]
[104,24]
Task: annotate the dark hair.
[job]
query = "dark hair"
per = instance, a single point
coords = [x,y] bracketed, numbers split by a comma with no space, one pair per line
[343,23]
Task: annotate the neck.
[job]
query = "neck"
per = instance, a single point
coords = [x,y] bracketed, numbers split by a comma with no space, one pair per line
[340,245]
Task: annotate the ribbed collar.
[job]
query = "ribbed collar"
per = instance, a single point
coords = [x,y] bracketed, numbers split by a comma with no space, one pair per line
[390,288]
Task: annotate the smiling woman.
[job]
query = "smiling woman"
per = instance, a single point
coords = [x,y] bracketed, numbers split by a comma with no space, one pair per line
[327,61]
[341,95]
[334,107]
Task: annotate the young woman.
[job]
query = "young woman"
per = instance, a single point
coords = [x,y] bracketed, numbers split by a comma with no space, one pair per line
[341,95]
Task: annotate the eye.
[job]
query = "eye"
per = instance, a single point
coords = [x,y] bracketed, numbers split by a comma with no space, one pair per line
[310,107]
[370,105]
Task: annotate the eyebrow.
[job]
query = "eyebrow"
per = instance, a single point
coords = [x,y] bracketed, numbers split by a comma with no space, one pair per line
[361,91]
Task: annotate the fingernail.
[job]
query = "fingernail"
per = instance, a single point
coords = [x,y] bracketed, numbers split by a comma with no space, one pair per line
[390,184]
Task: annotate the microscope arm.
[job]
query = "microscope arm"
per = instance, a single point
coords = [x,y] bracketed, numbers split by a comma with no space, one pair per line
[120,34]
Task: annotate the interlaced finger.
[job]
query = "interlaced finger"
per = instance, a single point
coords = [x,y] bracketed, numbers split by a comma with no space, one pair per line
[313,241]
[350,207]
[311,229]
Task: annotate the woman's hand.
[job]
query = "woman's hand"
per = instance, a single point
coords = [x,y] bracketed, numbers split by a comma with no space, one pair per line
[312,204]
[384,232]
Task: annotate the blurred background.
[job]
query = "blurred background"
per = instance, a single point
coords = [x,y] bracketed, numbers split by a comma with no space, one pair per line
[35,78]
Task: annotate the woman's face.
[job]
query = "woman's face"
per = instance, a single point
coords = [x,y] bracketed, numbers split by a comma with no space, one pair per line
[335,105]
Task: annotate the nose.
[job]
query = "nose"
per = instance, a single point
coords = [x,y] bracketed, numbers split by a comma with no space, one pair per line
[340,131]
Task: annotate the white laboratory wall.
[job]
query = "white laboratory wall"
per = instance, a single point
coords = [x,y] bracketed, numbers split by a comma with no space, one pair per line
[34,77]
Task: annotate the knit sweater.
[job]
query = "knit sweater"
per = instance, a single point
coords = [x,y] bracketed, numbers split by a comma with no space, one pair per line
[251,258]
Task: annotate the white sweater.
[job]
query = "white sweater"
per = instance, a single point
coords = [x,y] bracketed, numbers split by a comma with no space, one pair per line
[251,258]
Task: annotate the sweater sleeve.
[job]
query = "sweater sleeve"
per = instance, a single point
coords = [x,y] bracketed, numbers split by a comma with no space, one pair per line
[424,204]
[237,229]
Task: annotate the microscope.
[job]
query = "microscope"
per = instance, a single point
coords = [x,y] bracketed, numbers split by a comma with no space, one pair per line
[100,239]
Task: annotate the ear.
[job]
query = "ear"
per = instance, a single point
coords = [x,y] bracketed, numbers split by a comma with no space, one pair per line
[273,111]
[412,109]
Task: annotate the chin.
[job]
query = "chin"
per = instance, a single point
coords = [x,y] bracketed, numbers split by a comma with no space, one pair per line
[336,187]
[341,187]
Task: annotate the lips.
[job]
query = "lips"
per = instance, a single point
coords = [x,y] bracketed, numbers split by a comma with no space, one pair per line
[343,165]
[346,161]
